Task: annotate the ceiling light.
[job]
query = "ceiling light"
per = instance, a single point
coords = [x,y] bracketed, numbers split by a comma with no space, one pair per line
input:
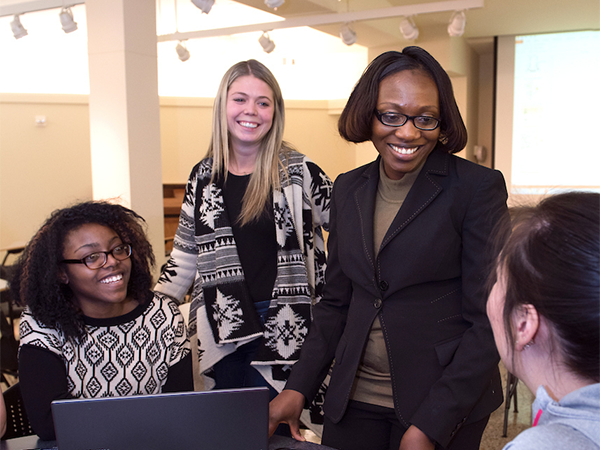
[182,52]
[18,30]
[408,28]
[266,43]
[347,34]
[456,27]
[204,5]
[274,3]
[66,20]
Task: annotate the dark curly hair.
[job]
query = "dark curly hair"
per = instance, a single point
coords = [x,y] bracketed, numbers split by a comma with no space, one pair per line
[356,121]
[36,280]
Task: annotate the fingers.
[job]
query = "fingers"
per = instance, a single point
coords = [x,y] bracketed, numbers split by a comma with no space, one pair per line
[287,407]
[295,429]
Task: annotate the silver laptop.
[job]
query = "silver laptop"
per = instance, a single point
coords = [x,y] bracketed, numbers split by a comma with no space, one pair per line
[236,419]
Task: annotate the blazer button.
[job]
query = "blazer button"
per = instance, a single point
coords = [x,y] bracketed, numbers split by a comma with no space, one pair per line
[383,285]
[377,303]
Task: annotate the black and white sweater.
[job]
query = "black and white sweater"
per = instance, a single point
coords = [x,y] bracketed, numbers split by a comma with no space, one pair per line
[222,314]
[146,351]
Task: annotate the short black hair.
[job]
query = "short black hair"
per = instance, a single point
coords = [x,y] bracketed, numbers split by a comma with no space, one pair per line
[36,280]
[356,120]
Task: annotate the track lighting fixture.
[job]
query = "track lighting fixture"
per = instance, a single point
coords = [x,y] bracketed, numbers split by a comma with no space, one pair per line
[204,5]
[274,3]
[456,27]
[347,34]
[409,28]
[182,52]
[266,43]
[66,20]
[18,30]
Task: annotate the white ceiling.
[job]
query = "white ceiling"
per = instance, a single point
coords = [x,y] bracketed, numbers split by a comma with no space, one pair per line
[496,18]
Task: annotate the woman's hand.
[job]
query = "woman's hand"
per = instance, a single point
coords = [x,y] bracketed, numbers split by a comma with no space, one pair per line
[287,407]
[415,439]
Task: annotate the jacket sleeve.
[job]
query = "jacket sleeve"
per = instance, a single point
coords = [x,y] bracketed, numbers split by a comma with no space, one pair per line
[43,378]
[329,320]
[180,270]
[469,375]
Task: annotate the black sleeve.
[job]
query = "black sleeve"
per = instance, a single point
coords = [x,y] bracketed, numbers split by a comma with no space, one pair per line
[180,376]
[43,378]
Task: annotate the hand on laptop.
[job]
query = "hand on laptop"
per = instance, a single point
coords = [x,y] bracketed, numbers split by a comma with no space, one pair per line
[287,407]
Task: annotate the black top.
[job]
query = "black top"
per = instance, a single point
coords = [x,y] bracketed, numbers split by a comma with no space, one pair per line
[256,242]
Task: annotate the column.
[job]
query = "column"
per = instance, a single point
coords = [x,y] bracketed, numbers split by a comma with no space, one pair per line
[124,109]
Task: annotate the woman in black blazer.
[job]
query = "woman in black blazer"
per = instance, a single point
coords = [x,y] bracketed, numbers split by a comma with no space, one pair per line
[403,316]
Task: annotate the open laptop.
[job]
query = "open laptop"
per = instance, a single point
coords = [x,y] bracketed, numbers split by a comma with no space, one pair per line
[236,419]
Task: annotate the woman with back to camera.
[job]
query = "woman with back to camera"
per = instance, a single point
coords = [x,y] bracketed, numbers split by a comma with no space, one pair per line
[545,312]
[250,235]
[92,326]
[403,310]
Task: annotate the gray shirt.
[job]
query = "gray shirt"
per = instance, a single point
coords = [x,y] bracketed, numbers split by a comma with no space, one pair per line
[571,423]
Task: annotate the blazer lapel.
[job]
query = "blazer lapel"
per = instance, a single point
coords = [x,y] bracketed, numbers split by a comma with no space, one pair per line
[423,192]
[364,200]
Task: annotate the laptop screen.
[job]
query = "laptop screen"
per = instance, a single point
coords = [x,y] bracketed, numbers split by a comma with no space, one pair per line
[236,419]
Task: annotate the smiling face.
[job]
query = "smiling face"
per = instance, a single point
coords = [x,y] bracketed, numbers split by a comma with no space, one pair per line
[403,149]
[100,293]
[250,109]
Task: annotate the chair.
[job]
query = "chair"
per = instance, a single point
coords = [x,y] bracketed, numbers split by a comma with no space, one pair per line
[9,348]
[13,311]
[17,422]
[511,394]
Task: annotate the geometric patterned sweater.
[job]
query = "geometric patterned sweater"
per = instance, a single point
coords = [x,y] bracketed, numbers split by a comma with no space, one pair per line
[222,314]
[205,254]
[146,351]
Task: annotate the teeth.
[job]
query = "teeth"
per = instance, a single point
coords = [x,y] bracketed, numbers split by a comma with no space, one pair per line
[248,124]
[112,279]
[403,150]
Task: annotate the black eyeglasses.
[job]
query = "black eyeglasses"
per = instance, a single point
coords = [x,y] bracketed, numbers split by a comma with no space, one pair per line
[97,260]
[392,119]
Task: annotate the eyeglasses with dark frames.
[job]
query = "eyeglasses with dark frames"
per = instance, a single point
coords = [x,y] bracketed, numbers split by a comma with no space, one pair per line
[392,119]
[97,260]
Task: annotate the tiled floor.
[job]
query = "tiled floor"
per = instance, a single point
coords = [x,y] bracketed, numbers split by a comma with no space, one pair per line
[517,422]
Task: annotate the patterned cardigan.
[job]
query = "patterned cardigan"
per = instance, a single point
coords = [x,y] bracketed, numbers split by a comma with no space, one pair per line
[204,252]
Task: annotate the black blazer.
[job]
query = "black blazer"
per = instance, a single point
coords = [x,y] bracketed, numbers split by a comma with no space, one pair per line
[426,285]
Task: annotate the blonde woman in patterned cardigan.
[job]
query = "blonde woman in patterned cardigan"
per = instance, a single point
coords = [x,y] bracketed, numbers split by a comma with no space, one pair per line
[250,239]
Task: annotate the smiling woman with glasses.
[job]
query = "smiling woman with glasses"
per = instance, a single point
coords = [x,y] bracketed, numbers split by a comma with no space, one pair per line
[403,309]
[92,327]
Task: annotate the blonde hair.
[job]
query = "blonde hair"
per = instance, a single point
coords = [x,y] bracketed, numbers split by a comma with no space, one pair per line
[265,176]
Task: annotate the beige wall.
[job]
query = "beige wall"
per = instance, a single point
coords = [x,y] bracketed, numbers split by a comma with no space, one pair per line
[49,167]
[486,105]
[311,126]
[44,168]
[41,168]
